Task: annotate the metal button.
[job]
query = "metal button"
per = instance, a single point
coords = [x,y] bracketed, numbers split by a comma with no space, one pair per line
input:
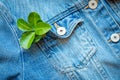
[92,4]
[61,30]
[115,37]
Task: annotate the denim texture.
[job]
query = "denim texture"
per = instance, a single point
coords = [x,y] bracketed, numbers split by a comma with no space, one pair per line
[83,53]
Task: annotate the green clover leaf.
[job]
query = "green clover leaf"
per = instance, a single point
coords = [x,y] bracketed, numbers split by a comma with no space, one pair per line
[34,18]
[23,25]
[37,38]
[27,39]
[42,28]
[34,30]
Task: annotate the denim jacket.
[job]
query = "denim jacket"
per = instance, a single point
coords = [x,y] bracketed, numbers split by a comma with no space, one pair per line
[82,53]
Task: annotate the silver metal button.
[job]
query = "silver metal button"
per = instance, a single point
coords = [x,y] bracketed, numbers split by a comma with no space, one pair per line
[115,37]
[92,4]
[60,30]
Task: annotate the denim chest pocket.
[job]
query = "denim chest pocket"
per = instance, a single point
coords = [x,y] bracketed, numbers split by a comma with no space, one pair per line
[72,50]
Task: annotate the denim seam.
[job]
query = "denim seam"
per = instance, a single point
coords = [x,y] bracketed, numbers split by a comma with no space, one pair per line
[114,22]
[16,39]
[109,13]
[102,34]
[21,51]
[79,4]
[100,69]
[6,15]
[62,15]
[42,44]
[66,13]
[115,8]
[90,55]
[94,49]
[71,75]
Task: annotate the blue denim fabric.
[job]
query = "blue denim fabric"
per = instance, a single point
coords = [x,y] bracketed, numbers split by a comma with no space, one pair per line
[83,53]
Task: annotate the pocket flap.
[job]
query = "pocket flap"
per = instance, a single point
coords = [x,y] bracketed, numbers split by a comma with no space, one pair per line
[69,23]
